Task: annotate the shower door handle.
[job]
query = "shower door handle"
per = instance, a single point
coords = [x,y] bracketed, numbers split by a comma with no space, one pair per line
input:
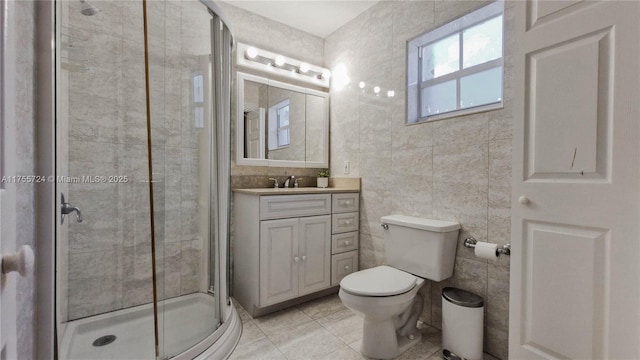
[67,208]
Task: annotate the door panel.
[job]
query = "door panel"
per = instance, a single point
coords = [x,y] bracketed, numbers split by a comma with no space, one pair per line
[315,253]
[575,278]
[278,260]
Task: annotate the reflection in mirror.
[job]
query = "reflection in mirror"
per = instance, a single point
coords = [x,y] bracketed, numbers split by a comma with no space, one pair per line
[255,103]
[281,124]
[286,124]
[316,115]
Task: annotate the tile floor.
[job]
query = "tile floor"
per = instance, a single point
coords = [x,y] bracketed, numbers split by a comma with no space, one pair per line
[318,329]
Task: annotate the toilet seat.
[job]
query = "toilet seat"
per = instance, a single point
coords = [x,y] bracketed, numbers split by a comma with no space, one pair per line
[378,281]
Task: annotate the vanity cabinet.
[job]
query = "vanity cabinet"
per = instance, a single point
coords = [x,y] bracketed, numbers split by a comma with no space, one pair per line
[293,247]
[345,235]
[294,258]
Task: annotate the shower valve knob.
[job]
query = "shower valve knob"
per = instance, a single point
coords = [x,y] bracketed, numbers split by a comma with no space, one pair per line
[21,262]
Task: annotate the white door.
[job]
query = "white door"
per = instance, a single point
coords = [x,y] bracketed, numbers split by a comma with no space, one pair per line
[255,134]
[8,341]
[278,261]
[575,273]
[315,254]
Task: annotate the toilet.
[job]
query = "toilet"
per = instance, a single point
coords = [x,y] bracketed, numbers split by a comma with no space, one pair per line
[387,296]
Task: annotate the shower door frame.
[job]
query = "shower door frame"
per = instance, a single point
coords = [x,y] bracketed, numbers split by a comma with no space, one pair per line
[226,336]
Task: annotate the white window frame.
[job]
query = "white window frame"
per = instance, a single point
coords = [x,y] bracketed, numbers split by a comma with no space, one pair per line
[414,65]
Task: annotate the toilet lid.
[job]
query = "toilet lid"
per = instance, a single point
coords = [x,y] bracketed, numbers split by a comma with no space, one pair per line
[378,281]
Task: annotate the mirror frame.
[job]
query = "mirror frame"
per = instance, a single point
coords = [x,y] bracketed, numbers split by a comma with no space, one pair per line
[241,160]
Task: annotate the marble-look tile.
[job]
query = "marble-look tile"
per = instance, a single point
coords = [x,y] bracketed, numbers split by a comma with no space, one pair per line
[244,315]
[250,333]
[322,307]
[461,163]
[377,23]
[497,342]
[425,292]
[343,353]
[282,321]
[344,324]
[471,275]
[262,349]
[411,137]
[410,19]
[497,301]
[472,129]
[308,340]
[500,163]
[92,296]
[446,10]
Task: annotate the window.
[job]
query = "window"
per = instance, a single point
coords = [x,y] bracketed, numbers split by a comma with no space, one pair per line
[456,69]
[279,125]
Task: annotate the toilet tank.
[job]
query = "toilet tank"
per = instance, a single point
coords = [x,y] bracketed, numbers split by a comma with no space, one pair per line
[423,247]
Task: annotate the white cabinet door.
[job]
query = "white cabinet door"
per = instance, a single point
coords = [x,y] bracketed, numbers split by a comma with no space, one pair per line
[278,261]
[315,253]
[575,275]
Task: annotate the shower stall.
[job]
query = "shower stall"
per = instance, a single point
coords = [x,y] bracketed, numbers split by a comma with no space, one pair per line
[142,180]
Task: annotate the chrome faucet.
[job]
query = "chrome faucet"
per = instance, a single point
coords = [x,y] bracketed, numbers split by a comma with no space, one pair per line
[286,182]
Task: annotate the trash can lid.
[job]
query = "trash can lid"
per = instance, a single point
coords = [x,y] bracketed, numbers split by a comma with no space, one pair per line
[462,297]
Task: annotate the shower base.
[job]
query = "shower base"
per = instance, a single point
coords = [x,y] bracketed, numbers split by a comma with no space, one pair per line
[183,322]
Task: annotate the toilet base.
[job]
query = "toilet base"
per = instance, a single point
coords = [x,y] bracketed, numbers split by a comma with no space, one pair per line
[381,341]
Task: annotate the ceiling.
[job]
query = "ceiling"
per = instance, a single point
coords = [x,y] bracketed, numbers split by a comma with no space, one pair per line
[317,17]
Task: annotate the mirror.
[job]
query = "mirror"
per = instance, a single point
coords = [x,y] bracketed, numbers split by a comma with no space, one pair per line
[279,124]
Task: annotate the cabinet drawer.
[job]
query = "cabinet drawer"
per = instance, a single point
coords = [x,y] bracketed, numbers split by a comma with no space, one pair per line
[342,203]
[343,265]
[283,206]
[346,222]
[344,242]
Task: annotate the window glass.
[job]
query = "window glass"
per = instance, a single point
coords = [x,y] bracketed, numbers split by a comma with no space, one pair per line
[439,98]
[482,42]
[481,88]
[457,68]
[441,57]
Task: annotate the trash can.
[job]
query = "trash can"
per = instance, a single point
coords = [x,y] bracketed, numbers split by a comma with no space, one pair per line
[462,324]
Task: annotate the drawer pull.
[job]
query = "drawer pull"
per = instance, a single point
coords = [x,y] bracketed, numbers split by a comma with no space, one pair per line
[348,222]
[304,258]
[346,267]
[347,242]
[348,202]
[295,259]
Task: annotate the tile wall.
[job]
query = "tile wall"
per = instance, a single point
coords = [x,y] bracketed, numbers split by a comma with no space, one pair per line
[455,169]
[109,256]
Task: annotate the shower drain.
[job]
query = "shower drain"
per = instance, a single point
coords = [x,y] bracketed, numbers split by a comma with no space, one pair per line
[104,340]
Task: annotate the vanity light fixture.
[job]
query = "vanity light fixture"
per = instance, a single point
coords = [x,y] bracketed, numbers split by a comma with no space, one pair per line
[252,52]
[272,63]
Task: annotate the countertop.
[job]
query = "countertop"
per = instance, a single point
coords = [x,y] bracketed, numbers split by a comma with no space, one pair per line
[300,190]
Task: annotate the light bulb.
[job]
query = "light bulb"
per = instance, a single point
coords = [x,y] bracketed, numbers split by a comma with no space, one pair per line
[280,60]
[376,89]
[391,93]
[304,67]
[361,84]
[252,52]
